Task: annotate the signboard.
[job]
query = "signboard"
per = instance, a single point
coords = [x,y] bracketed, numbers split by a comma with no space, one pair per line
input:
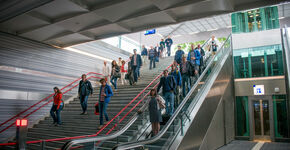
[259,89]
[148,32]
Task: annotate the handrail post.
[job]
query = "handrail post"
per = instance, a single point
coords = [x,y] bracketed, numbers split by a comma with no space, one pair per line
[181,124]
[117,126]
[43,145]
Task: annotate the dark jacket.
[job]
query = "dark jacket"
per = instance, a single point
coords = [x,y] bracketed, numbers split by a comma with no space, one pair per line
[108,92]
[152,53]
[144,52]
[139,60]
[172,84]
[178,56]
[168,42]
[162,44]
[88,89]
[116,72]
[188,68]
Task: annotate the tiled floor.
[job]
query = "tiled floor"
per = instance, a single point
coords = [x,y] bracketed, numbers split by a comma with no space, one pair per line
[248,145]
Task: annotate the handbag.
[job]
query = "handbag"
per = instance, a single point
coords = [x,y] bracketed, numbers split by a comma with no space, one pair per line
[97,111]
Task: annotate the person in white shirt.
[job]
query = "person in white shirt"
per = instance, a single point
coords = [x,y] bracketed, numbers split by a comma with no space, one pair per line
[106,71]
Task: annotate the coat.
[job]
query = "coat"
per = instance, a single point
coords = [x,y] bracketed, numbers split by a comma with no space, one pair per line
[139,60]
[108,92]
[162,84]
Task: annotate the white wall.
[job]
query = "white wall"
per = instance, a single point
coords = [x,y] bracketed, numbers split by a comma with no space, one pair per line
[256,39]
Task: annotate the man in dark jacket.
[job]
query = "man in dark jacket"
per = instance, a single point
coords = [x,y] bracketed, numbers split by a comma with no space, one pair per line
[136,63]
[168,43]
[185,68]
[152,57]
[85,89]
[178,55]
[104,98]
[168,84]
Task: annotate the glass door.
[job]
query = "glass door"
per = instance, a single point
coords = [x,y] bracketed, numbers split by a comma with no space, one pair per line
[261,118]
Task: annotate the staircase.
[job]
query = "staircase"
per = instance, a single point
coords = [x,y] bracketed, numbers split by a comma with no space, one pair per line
[75,124]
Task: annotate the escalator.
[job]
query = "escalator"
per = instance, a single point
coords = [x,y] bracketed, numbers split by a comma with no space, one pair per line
[195,113]
[204,119]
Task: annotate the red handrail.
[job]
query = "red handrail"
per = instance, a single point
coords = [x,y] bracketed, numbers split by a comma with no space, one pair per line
[85,136]
[17,115]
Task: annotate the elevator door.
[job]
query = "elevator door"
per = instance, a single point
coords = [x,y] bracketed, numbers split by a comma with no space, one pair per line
[261,117]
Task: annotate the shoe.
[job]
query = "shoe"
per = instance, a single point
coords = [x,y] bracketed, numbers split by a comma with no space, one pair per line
[106,122]
[85,113]
[100,127]
[82,113]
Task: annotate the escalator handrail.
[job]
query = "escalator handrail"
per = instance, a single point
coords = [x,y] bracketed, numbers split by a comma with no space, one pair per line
[141,143]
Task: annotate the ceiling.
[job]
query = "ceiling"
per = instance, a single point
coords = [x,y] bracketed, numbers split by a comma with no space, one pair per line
[67,22]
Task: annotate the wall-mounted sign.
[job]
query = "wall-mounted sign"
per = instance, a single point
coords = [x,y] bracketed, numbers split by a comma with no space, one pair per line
[150,32]
[259,89]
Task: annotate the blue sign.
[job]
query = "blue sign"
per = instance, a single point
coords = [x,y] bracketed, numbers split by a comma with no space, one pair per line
[150,32]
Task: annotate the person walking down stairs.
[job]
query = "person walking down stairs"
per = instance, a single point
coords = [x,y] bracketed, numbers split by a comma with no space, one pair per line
[56,106]
[136,63]
[85,89]
[115,74]
[104,98]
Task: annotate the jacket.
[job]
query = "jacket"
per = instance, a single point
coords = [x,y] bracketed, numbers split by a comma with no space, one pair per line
[57,99]
[202,53]
[152,53]
[177,76]
[162,45]
[168,42]
[188,68]
[108,92]
[144,52]
[106,70]
[196,54]
[88,88]
[178,56]
[139,60]
[172,84]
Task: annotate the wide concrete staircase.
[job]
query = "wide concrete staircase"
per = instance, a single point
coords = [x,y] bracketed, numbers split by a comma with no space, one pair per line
[75,124]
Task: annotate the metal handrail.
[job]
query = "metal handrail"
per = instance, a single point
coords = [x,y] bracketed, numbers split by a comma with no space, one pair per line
[69,144]
[141,143]
[27,115]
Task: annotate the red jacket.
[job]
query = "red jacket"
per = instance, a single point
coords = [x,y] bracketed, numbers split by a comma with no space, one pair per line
[57,99]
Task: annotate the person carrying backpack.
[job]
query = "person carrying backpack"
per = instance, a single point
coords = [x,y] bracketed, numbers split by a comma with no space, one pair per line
[178,55]
[85,89]
[177,76]
[104,98]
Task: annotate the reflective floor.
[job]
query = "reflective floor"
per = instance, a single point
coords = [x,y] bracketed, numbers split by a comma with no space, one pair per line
[251,145]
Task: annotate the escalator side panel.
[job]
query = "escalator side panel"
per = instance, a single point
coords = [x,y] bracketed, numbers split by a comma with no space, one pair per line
[197,131]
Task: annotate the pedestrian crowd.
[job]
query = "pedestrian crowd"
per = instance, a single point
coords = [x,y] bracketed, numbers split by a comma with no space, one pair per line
[175,83]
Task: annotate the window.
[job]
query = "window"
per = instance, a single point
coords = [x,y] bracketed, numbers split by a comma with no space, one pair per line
[255,20]
[258,61]
[280,116]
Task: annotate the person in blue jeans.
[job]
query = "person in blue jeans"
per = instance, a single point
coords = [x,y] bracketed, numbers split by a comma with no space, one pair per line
[185,68]
[168,84]
[152,57]
[104,98]
[168,43]
[177,76]
[136,63]
[194,59]
[85,89]
[56,106]
[115,74]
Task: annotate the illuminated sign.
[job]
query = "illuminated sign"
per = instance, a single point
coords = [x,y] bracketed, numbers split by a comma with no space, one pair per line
[259,89]
[148,32]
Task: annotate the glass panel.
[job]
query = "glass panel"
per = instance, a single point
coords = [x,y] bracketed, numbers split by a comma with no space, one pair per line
[258,61]
[280,116]
[242,116]
[255,20]
[266,118]
[257,118]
